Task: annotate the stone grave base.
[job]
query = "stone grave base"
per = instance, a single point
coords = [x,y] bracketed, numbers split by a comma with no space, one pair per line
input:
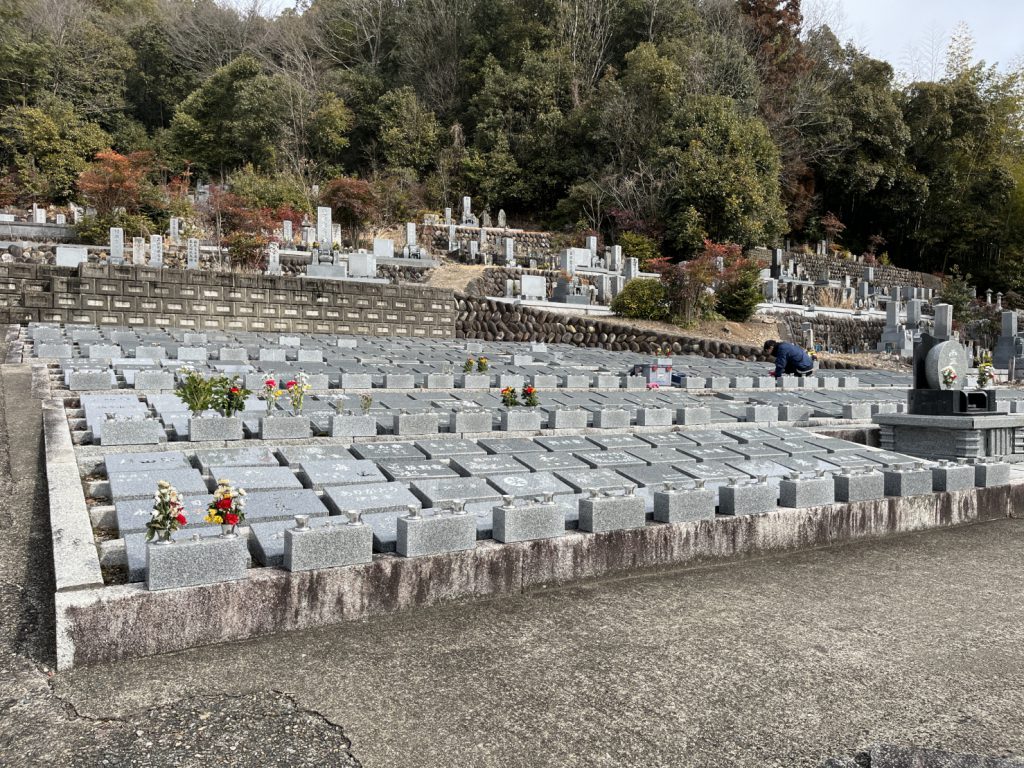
[997,435]
[102,624]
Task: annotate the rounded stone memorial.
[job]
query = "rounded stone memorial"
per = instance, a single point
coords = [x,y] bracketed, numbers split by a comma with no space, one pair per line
[941,356]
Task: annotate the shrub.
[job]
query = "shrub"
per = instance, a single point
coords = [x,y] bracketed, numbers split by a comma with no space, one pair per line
[738,298]
[95,230]
[642,300]
[639,247]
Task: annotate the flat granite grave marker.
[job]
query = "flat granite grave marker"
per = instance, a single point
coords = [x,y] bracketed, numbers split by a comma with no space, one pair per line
[327,546]
[190,563]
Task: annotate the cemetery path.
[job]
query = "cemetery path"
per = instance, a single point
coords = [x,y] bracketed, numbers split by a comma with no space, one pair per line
[781,661]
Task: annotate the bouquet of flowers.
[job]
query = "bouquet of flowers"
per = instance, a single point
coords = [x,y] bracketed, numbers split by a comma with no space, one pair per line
[168,512]
[271,394]
[194,390]
[986,376]
[481,365]
[229,395]
[469,365]
[949,377]
[653,385]
[509,397]
[365,403]
[228,505]
[297,389]
[529,395]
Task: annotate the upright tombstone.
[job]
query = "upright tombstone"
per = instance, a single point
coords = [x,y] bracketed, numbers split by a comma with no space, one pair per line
[60,219]
[592,247]
[138,250]
[448,216]
[175,230]
[273,259]
[467,210]
[335,234]
[323,225]
[116,245]
[501,218]
[286,231]
[382,249]
[38,214]
[632,268]
[485,220]
[410,234]
[192,253]
[510,252]
[156,251]
[474,251]
[363,264]
[309,235]
[943,322]
[615,258]
[914,314]
[1005,345]
[453,243]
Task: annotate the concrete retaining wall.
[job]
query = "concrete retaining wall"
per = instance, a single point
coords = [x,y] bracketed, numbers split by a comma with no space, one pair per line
[203,300]
[26,230]
[112,623]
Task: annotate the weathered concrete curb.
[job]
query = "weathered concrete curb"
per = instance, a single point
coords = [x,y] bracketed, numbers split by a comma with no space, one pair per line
[119,622]
[76,563]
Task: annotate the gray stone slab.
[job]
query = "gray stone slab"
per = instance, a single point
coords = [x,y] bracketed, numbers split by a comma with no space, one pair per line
[586,480]
[542,462]
[405,470]
[612,513]
[370,498]
[263,506]
[952,477]
[527,522]
[511,446]
[318,474]
[191,563]
[129,462]
[142,484]
[611,418]
[415,423]
[564,444]
[435,534]
[617,442]
[659,455]
[529,485]
[386,451]
[442,449]
[566,418]
[328,546]
[135,547]
[294,455]
[470,421]
[651,476]
[208,428]
[256,456]
[486,465]
[133,515]
[608,459]
[520,420]
[435,493]
[257,478]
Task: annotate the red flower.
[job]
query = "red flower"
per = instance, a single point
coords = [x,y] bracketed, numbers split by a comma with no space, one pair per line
[234,390]
[181,519]
[270,384]
[224,504]
[231,518]
[289,385]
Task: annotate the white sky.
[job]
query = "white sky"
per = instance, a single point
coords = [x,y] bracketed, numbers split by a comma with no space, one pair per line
[910,34]
[903,32]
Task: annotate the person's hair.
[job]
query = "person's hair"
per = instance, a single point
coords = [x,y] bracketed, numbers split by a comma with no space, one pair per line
[770,344]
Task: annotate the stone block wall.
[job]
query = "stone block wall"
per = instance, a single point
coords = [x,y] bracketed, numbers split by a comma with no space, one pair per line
[818,267]
[480,318]
[194,300]
[835,333]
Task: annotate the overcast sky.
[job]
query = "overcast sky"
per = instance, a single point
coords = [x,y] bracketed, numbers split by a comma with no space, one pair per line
[905,32]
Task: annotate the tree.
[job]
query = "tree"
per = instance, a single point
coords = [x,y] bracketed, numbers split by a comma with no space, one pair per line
[642,299]
[408,132]
[114,181]
[639,247]
[46,147]
[353,203]
[230,119]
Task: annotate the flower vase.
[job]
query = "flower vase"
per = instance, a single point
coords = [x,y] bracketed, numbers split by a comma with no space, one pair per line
[228,530]
[164,537]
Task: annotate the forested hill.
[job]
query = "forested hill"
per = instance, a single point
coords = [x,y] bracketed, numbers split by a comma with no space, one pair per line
[678,120]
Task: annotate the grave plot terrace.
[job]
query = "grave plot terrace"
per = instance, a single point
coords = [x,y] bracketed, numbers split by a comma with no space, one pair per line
[433,490]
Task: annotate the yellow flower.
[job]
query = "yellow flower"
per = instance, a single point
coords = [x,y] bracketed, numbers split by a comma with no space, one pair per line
[218,520]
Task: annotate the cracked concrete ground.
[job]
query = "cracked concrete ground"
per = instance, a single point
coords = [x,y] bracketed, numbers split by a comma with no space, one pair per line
[775,662]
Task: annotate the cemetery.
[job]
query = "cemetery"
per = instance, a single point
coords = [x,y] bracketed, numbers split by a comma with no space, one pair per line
[369,460]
